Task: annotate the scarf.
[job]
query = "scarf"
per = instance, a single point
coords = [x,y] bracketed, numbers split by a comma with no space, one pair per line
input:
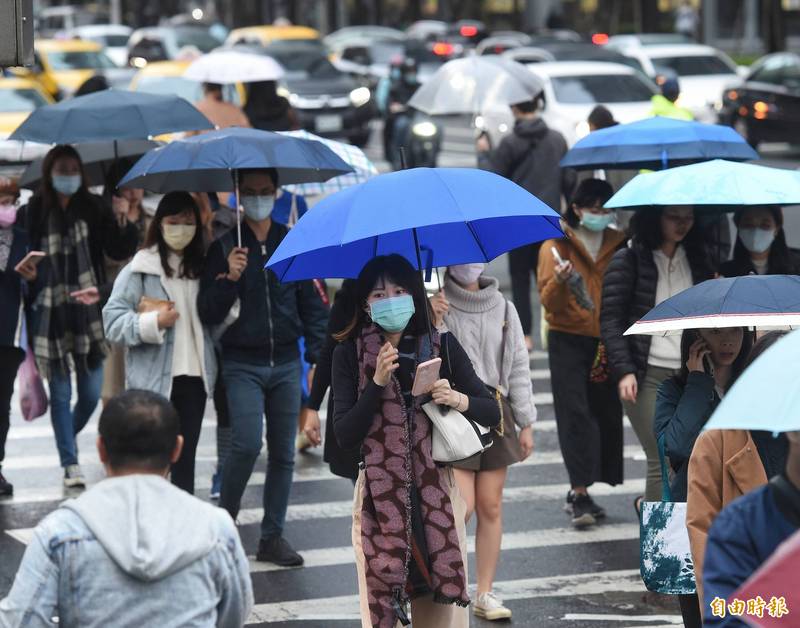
[67,329]
[403,485]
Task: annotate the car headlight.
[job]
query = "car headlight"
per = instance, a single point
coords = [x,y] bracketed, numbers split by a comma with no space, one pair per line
[424,129]
[582,129]
[360,96]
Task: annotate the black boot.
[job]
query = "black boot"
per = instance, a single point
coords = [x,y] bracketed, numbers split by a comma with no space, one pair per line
[6,488]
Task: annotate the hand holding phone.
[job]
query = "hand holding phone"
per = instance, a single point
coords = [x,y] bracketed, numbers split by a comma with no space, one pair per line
[426,376]
[27,267]
[699,357]
[563,269]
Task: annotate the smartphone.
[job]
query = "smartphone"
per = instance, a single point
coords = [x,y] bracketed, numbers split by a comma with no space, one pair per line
[427,375]
[707,366]
[556,255]
[33,257]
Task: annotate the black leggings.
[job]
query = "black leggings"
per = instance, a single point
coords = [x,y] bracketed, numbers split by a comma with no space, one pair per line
[10,359]
[189,398]
[521,263]
[690,611]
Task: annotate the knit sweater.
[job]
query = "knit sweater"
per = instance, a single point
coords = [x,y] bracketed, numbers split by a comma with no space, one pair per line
[476,319]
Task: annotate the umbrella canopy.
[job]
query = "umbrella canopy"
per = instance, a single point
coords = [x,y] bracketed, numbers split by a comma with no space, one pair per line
[448,215]
[763,301]
[204,163]
[110,115]
[353,156]
[717,183]
[234,66]
[657,143]
[474,84]
[777,579]
[766,396]
[97,158]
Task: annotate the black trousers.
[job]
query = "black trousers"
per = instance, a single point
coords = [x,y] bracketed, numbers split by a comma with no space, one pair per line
[189,398]
[588,415]
[521,263]
[690,611]
[10,359]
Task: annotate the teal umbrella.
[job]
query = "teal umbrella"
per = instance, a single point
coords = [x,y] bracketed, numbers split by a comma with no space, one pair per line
[717,183]
[766,396]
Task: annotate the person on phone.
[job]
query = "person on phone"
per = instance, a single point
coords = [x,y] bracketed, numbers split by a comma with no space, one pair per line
[665,255]
[153,313]
[13,244]
[260,356]
[760,247]
[588,411]
[711,361]
[76,230]
[375,410]
[472,308]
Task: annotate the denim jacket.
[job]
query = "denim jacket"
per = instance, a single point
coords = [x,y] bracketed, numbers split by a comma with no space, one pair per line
[132,551]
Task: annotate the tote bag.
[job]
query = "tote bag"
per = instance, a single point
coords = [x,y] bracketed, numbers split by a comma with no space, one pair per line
[665,555]
[32,396]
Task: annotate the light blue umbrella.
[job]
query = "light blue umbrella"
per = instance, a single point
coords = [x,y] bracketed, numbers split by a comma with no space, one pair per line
[767,395]
[432,216]
[719,183]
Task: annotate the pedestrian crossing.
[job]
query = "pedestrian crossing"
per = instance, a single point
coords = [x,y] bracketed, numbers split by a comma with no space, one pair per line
[549,574]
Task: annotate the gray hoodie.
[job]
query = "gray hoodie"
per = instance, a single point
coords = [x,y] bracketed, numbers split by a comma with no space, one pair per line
[132,551]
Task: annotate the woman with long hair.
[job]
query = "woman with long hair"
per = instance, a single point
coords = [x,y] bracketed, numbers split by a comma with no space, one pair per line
[666,255]
[711,360]
[760,247]
[75,230]
[408,518]
[153,312]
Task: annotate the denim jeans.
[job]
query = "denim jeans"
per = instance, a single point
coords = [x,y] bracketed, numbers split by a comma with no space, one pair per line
[68,421]
[253,389]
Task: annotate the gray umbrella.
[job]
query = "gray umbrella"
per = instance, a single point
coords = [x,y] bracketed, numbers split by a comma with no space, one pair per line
[475,84]
[97,158]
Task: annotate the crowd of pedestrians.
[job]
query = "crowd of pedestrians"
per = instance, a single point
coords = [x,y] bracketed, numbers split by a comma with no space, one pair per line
[193,315]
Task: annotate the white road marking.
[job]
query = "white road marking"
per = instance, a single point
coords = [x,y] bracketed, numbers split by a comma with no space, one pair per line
[670,619]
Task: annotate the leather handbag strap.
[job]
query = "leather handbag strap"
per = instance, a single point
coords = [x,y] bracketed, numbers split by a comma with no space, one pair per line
[503,344]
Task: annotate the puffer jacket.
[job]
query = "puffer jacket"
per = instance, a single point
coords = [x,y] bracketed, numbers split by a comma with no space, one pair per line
[629,292]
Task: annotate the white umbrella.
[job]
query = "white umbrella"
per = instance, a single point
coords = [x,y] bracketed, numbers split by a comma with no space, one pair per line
[234,66]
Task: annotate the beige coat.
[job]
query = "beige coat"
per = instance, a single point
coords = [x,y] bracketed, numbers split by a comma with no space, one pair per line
[724,465]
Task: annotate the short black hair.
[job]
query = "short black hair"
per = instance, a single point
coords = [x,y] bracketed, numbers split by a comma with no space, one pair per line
[601,118]
[212,87]
[589,192]
[530,106]
[272,173]
[139,429]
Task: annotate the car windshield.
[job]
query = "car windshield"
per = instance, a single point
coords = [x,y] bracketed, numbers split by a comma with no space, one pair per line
[303,62]
[13,100]
[79,60]
[693,66]
[608,88]
[115,41]
[384,51]
[200,38]
[179,86]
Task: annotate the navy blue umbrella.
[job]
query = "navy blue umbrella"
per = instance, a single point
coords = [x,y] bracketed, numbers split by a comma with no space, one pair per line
[655,144]
[110,115]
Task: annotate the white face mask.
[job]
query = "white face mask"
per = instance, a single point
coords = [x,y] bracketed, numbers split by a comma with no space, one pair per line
[178,237]
[258,208]
[466,274]
[757,240]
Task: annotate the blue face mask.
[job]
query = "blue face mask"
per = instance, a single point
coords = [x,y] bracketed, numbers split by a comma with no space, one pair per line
[66,184]
[596,222]
[757,240]
[392,314]
[258,208]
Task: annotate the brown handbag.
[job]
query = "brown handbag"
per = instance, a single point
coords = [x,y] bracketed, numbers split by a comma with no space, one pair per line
[149,304]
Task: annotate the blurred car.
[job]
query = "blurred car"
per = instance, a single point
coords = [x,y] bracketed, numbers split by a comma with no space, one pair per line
[468,33]
[266,35]
[350,35]
[18,98]
[546,52]
[571,90]
[166,77]
[427,29]
[498,44]
[328,102]
[164,43]
[703,73]
[766,106]
[51,20]
[61,66]
[647,39]
[112,37]
[368,60]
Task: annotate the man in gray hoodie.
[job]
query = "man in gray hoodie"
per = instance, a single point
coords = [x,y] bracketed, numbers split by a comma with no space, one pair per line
[133,550]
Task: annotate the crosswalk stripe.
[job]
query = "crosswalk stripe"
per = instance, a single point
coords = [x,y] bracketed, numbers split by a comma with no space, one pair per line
[593,617]
[345,607]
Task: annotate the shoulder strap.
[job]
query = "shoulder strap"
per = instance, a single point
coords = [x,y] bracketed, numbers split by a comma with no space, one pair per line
[503,343]
[666,490]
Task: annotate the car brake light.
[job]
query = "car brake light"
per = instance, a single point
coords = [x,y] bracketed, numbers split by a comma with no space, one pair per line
[442,49]
[600,39]
[469,31]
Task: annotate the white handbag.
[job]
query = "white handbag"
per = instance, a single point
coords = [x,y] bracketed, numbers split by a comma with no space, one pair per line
[454,436]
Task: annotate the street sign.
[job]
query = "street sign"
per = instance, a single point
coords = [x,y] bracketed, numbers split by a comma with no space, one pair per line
[16,32]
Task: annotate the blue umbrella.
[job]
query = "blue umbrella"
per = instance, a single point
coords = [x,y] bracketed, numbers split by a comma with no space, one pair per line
[766,396]
[656,143]
[763,301]
[205,163]
[716,183]
[432,216]
[110,115]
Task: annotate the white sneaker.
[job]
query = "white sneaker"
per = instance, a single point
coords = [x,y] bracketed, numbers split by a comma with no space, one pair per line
[489,607]
[73,477]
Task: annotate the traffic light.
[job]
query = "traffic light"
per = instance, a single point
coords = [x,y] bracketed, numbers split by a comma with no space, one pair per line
[16,32]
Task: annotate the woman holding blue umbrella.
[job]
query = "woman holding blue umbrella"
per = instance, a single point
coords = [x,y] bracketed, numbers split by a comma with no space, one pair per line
[760,244]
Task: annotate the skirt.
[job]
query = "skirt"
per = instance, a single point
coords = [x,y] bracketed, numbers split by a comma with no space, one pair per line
[505,449]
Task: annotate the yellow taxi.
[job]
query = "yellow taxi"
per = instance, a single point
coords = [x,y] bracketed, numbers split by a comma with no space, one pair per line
[18,98]
[166,77]
[62,65]
[265,35]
